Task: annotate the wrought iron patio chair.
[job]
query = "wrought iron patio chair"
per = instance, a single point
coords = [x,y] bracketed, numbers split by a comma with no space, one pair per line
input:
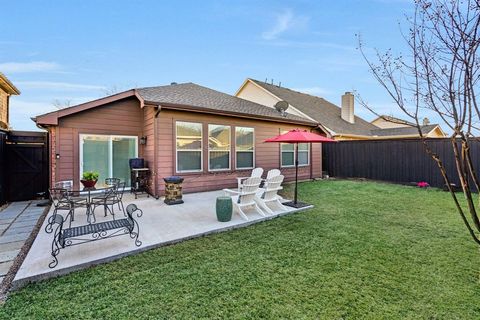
[64,184]
[112,181]
[268,195]
[256,173]
[119,190]
[104,199]
[245,196]
[61,202]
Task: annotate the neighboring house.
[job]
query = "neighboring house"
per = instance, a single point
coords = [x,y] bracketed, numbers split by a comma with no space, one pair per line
[340,122]
[395,126]
[203,135]
[6,90]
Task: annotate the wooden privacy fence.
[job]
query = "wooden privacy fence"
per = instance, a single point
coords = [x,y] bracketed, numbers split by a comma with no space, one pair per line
[402,160]
[23,165]
[3,167]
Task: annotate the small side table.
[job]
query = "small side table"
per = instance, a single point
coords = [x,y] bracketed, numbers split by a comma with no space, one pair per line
[224,209]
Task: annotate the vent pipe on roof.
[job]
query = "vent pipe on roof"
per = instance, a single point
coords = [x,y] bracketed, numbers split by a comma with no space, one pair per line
[348,106]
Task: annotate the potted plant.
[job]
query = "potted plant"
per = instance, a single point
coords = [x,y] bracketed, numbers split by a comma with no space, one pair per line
[89,178]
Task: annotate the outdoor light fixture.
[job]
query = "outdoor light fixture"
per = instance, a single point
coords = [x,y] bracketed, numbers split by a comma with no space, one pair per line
[143,140]
[57,156]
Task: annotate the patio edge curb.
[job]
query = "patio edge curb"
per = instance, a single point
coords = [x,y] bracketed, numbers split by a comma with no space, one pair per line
[20,283]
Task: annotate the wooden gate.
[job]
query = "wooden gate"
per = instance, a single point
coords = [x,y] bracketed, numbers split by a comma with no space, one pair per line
[3,167]
[27,165]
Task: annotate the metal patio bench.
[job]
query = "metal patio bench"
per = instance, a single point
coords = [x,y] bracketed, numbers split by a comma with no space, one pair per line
[94,231]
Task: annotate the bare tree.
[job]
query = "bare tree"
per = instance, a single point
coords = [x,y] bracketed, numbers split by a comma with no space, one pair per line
[440,74]
[61,104]
[115,88]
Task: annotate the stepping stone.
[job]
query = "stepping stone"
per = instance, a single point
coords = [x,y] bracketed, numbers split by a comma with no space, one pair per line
[10,214]
[17,245]
[16,230]
[27,223]
[14,238]
[8,255]
[6,221]
[4,267]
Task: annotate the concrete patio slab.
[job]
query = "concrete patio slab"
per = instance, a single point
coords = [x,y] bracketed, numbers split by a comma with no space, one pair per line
[160,225]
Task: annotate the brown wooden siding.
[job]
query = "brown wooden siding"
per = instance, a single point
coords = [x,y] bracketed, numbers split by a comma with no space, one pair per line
[123,117]
[267,155]
[3,109]
[149,148]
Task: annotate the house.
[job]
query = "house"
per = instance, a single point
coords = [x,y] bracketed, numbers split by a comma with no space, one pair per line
[341,123]
[207,137]
[7,89]
[394,126]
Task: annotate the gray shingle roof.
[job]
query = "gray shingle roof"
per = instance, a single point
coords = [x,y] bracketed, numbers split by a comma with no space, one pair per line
[190,94]
[329,115]
[403,131]
[323,111]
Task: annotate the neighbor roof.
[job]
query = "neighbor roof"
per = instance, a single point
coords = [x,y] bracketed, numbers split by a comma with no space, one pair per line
[321,110]
[393,120]
[203,98]
[6,85]
[185,96]
[404,131]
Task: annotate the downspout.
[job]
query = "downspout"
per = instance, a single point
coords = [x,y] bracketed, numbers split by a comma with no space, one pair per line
[155,149]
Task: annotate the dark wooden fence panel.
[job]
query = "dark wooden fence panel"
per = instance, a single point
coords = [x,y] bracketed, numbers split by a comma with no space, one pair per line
[402,161]
[3,167]
[27,165]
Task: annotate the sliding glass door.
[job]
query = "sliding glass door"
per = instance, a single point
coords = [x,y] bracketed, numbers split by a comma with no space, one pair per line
[108,155]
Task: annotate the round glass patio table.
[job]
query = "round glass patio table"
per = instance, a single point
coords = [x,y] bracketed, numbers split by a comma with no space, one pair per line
[83,199]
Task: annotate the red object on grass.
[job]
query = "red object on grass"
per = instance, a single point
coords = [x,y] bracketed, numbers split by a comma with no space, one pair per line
[299,136]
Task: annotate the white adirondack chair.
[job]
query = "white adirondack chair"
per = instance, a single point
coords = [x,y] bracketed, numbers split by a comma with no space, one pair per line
[245,196]
[256,173]
[267,195]
[273,173]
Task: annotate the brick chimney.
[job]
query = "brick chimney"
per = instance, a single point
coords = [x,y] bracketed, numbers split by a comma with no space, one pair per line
[348,105]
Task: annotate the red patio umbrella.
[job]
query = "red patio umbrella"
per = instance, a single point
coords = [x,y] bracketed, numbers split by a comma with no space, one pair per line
[299,136]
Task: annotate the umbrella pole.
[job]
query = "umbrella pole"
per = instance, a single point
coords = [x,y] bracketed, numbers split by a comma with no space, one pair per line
[296,173]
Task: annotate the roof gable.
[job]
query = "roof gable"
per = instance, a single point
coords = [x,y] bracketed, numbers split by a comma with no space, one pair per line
[186,96]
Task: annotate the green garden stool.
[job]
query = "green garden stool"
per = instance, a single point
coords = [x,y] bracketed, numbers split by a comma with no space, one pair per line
[224,209]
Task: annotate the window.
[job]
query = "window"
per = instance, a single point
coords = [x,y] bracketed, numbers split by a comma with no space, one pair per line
[218,147]
[288,154]
[245,148]
[108,155]
[303,154]
[189,146]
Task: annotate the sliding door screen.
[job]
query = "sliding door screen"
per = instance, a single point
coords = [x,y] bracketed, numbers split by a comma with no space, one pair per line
[108,155]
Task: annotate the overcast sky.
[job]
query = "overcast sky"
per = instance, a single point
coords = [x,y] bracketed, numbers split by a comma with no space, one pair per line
[77,51]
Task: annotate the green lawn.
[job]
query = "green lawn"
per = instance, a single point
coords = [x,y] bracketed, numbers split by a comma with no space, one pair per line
[366,250]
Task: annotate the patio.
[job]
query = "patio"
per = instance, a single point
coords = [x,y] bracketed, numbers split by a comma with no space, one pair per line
[160,225]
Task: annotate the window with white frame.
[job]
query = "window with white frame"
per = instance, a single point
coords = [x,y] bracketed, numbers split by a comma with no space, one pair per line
[189,146]
[245,147]
[288,154]
[303,154]
[218,147]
